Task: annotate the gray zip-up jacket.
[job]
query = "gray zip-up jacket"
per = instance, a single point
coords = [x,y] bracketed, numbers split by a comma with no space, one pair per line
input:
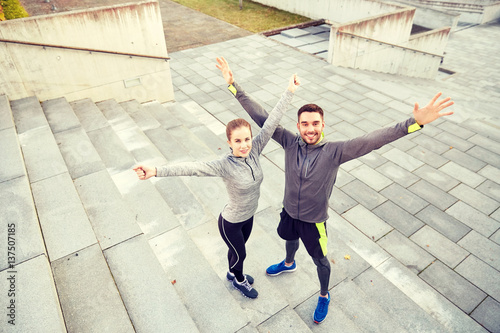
[311,170]
[241,175]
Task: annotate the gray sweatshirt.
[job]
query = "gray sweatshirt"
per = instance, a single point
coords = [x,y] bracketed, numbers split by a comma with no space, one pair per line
[311,170]
[241,175]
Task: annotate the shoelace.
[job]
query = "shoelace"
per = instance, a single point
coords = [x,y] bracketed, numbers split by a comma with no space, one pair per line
[322,304]
[246,285]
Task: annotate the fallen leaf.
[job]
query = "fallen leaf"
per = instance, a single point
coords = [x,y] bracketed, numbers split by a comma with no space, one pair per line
[173,281]
[333,261]
[347,257]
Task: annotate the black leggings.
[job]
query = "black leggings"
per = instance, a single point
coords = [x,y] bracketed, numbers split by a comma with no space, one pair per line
[236,235]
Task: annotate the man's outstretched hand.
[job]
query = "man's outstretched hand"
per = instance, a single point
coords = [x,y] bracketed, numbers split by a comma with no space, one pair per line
[226,71]
[432,110]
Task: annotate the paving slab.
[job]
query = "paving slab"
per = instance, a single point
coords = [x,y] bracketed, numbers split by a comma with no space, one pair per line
[363,194]
[403,159]
[78,152]
[167,145]
[60,115]
[464,159]
[491,173]
[64,222]
[482,247]
[437,177]
[210,313]
[33,297]
[427,156]
[404,198]
[396,173]
[486,314]
[396,303]
[27,114]
[91,118]
[485,155]
[406,251]
[398,218]
[434,195]
[481,275]
[491,189]
[163,115]
[371,177]
[436,305]
[439,246]
[19,221]
[473,218]
[6,119]
[443,223]
[475,199]
[143,119]
[367,222]
[283,321]
[86,287]
[41,155]
[453,286]
[117,117]
[149,296]
[112,220]
[13,164]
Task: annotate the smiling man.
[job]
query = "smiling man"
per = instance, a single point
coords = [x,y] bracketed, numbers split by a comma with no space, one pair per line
[311,166]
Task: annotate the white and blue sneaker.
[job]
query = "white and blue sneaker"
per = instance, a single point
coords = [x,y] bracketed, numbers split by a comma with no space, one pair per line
[321,309]
[280,268]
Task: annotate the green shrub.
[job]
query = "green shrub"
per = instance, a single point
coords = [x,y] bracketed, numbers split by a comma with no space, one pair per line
[13,9]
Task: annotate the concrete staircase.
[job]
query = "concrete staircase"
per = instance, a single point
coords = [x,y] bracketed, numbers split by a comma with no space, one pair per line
[97,250]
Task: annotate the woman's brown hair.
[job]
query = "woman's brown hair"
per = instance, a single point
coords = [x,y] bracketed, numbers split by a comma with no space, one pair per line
[236,123]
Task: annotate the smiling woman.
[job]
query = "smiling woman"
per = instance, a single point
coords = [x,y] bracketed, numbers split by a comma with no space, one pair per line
[253,16]
[11,9]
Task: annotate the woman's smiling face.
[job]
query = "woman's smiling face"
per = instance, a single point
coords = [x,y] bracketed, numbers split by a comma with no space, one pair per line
[241,141]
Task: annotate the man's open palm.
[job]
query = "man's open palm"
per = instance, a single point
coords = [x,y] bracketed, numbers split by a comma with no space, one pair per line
[431,111]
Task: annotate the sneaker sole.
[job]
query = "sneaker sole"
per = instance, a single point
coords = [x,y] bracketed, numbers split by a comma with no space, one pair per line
[244,294]
[285,271]
[318,322]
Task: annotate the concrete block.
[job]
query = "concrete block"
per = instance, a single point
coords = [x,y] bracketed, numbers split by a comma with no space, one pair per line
[111,218]
[365,247]
[41,154]
[315,46]
[403,159]
[462,174]
[399,306]
[475,199]
[285,320]
[371,177]
[491,173]
[408,253]
[86,287]
[190,144]
[340,202]
[373,105]
[367,222]
[443,223]
[486,143]
[363,194]
[12,158]
[447,314]
[214,142]
[439,246]
[486,314]
[116,115]
[348,116]
[396,173]
[183,203]
[112,151]
[433,194]
[343,178]
[398,218]
[363,311]
[455,129]
[482,247]
[149,296]
[404,198]
[141,147]
[139,115]
[65,225]
[374,159]
[372,116]
[350,131]
[209,312]
[473,218]
[437,177]
[29,289]
[481,275]
[454,141]
[453,286]
[27,114]
[78,152]
[430,143]
[485,155]
[91,118]
[188,113]
[491,189]
[427,156]
[60,115]
[167,145]
[403,144]
[162,114]
[464,159]
[6,119]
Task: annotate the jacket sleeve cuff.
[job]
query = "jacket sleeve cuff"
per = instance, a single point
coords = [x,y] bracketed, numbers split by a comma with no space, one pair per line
[415,127]
[232,89]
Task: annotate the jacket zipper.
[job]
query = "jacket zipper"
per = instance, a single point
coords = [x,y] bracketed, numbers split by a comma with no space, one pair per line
[250,169]
[300,186]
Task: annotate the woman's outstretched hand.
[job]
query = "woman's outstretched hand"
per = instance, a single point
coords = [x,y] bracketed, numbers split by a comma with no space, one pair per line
[293,83]
[144,172]
[432,110]
[226,71]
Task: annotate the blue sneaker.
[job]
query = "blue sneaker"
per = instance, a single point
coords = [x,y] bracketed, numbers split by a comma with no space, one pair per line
[230,277]
[280,268]
[321,309]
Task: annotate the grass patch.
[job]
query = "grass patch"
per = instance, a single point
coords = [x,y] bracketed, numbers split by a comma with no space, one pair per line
[12,9]
[254,17]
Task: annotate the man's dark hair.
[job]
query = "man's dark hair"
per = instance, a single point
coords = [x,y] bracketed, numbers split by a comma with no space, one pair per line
[310,108]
